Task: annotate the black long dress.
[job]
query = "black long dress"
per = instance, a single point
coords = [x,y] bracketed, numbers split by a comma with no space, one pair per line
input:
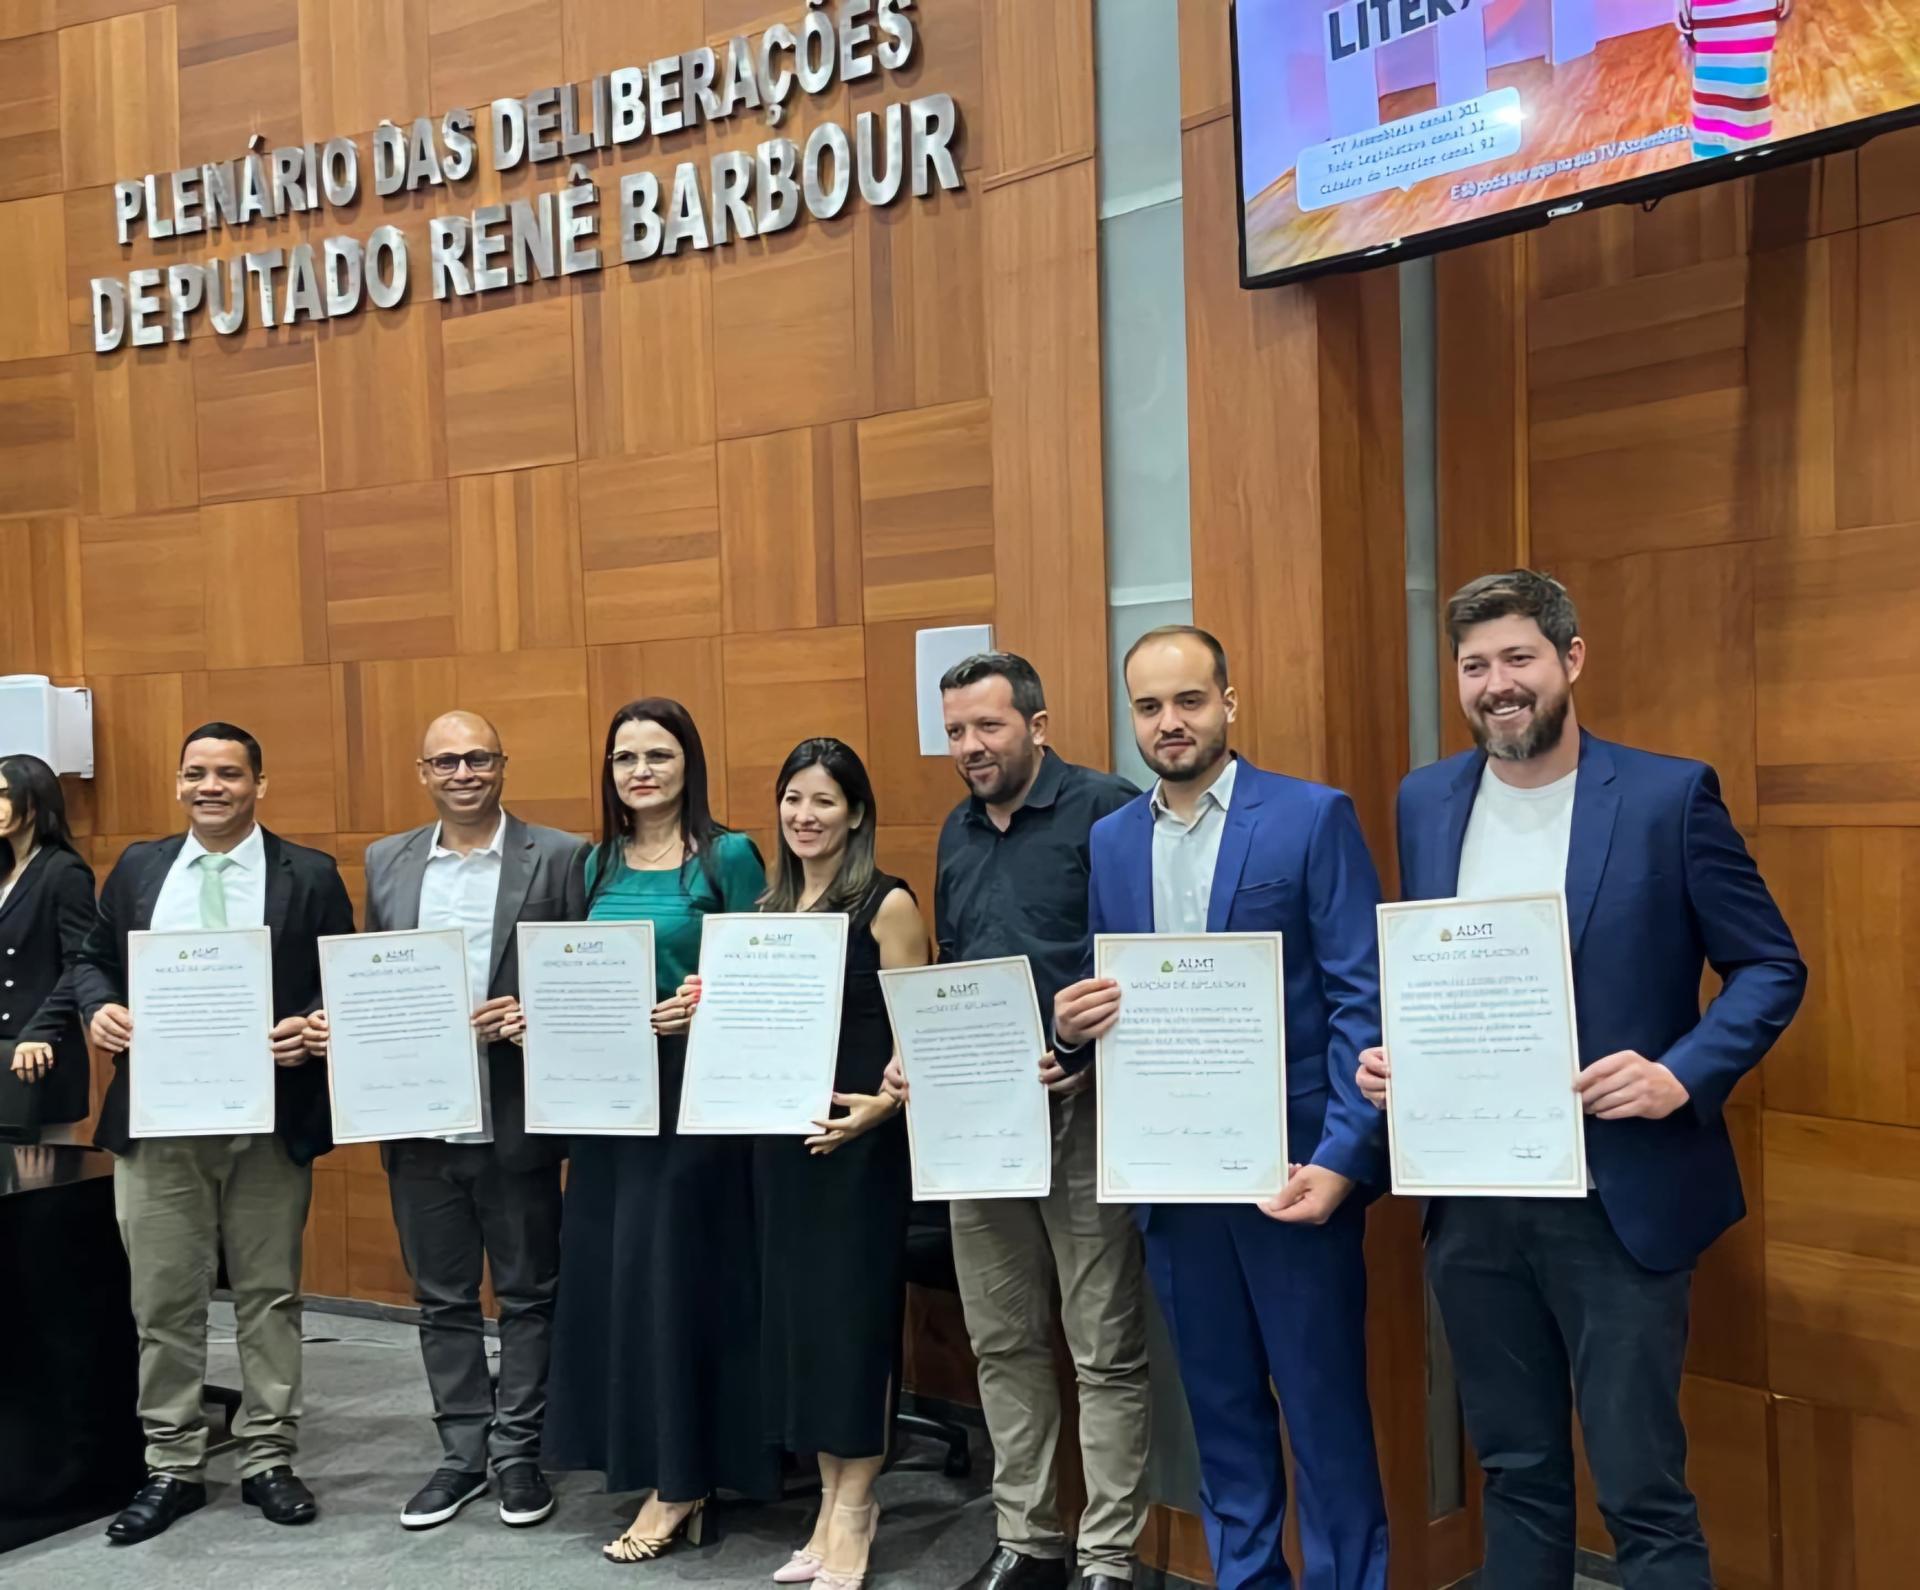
[833,1231]
[655,1379]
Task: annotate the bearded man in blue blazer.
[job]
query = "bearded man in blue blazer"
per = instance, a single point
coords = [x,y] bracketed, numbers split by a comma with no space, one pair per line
[1553,1304]
[1261,1300]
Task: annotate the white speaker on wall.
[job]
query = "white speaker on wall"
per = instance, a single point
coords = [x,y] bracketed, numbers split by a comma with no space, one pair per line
[52,722]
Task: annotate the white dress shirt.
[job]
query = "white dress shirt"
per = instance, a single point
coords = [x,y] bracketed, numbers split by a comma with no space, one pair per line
[1185,854]
[459,891]
[177,910]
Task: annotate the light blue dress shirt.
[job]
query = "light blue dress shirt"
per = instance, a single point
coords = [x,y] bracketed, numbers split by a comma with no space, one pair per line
[1185,854]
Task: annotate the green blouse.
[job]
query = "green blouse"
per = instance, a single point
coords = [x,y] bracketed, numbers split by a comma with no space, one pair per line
[675,900]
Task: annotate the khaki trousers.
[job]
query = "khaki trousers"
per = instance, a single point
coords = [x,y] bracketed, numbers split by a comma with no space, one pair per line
[182,1202]
[1009,1253]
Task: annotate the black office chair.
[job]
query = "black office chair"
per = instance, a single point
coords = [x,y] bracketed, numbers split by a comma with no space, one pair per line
[930,1264]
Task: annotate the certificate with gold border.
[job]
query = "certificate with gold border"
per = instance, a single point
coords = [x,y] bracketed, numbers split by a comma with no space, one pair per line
[765,1039]
[1192,1080]
[1476,1006]
[970,1039]
[592,1062]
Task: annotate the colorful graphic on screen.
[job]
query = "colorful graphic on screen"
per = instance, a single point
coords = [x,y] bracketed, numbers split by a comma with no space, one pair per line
[1366,121]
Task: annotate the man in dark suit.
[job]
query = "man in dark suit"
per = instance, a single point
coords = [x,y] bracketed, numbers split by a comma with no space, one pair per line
[1275,1294]
[1541,1293]
[495,1193]
[183,1202]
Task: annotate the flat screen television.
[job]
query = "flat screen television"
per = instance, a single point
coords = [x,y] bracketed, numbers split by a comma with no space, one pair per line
[1370,130]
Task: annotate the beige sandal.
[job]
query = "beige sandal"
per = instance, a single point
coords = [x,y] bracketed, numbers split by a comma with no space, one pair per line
[692,1529]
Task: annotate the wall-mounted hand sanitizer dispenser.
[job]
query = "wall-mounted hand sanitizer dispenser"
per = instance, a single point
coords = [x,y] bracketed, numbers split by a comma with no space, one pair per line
[52,722]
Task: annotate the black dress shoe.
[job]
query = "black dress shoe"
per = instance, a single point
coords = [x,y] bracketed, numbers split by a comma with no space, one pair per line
[1008,1569]
[154,1507]
[281,1495]
[442,1496]
[525,1498]
[1104,1581]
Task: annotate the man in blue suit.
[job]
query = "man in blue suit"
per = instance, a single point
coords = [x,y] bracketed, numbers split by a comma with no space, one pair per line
[1540,1295]
[1272,1296]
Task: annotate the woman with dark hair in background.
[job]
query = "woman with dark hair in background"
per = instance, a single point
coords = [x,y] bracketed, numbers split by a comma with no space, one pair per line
[833,1207]
[656,1348]
[46,909]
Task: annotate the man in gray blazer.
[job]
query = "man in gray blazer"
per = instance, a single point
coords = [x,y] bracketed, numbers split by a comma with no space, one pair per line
[496,1191]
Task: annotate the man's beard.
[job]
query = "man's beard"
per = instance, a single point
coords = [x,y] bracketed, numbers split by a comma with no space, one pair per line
[1210,753]
[1541,735]
[1011,776]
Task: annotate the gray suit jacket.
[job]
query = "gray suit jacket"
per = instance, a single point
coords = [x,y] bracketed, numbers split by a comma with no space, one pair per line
[542,879]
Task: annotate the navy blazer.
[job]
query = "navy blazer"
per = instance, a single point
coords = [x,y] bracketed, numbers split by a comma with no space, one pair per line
[1658,884]
[1291,861]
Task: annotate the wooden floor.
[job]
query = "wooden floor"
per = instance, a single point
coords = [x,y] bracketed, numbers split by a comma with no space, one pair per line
[1866,62]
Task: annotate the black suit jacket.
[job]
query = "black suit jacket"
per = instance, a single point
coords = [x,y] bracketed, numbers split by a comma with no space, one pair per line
[43,923]
[542,879]
[305,902]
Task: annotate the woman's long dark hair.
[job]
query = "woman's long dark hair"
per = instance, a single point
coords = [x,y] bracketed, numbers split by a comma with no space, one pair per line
[698,830]
[32,786]
[850,884]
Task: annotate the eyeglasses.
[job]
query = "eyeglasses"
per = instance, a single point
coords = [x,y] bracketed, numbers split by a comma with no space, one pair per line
[657,761]
[447,764]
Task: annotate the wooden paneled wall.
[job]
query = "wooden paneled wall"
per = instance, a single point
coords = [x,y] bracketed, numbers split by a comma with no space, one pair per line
[1703,418]
[743,478]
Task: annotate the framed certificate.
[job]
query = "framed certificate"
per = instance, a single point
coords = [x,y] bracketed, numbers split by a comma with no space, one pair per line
[403,1059]
[592,1060]
[765,1039]
[1193,1077]
[1476,1005]
[202,1057]
[969,1037]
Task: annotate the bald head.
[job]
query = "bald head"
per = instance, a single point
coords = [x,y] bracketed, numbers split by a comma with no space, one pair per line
[465,771]
[459,731]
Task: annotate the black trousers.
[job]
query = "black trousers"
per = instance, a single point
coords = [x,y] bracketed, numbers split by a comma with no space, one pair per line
[1545,1311]
[453,1203]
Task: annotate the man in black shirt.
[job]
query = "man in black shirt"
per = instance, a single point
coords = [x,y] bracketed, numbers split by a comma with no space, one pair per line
[1013,881]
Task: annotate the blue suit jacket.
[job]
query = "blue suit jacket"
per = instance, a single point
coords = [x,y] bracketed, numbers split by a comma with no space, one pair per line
[1292,860]
[1658,883]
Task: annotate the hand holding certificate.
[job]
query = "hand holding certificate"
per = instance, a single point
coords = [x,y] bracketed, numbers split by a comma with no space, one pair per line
[765,1037]
[202,1006]
[970,1042]
[1192,1082]
[1476,1002]
[403,1060]
[592,1061]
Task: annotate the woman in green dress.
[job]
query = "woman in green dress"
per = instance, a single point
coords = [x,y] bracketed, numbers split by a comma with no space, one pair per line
[656,1347]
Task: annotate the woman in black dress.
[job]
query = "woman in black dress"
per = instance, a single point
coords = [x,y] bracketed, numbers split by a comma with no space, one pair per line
[833,1207]
[656,1339]
[46,910]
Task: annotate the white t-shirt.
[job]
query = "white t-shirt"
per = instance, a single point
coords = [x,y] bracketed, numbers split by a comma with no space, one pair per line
[1516,838]
[1517,841]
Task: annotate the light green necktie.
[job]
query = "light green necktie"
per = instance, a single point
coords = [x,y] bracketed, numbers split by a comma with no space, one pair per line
[213,890]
